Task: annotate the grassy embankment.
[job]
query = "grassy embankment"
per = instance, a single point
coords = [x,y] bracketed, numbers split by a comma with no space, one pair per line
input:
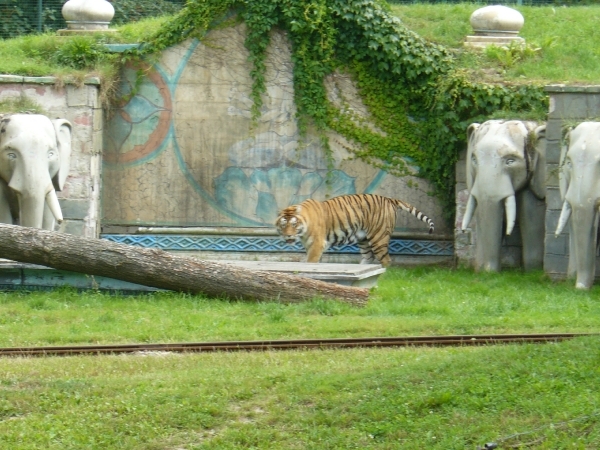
[561,45]
[407,302]
[561,42]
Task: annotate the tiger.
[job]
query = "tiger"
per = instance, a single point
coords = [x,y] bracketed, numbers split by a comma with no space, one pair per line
[364,219]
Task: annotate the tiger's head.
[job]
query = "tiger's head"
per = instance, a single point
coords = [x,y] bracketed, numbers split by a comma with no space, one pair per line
[291,225]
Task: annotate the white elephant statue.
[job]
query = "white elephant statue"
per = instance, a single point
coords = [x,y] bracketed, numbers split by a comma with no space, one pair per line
[35,154]
[579,179]
[506,171]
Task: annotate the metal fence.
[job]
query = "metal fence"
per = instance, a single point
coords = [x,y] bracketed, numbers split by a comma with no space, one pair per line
[20,17]
[502,2]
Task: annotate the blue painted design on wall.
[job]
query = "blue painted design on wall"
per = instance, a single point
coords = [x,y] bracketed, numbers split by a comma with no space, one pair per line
[266,192]
[268,244]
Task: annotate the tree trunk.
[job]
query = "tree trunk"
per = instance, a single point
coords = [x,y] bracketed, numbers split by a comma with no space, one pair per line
[164,270]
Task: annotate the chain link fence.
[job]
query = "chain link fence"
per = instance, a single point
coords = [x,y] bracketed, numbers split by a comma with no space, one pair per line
[21,17]
[509,3]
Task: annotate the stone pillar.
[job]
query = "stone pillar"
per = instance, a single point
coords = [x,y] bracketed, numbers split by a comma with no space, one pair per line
[568,105]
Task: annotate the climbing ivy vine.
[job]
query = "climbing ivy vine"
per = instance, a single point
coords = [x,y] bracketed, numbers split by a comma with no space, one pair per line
[419,103]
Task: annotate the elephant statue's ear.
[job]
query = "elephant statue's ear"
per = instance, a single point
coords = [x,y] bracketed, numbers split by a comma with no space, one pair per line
[471,129]
[538,179]
[63,142]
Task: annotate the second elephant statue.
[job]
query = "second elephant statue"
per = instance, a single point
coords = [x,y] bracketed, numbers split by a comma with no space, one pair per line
[35,155]
[506,171]
[580,189]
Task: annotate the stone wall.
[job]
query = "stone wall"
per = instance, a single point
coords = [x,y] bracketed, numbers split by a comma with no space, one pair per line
[80,104]
[184,151]
[187,169]
[568,106]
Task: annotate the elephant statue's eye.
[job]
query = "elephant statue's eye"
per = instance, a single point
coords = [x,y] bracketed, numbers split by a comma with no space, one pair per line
[51,154]
[510,162]
[11,155]
[473,160]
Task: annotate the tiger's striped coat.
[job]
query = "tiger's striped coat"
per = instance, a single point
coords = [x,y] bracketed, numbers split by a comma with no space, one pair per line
[364,219]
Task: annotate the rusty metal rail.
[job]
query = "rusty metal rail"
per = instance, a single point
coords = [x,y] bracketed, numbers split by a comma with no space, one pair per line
[229,346]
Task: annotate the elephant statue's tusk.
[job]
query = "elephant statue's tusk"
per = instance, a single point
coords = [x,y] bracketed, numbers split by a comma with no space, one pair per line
[510,204]
[564,218]
[468,213]
[52,202]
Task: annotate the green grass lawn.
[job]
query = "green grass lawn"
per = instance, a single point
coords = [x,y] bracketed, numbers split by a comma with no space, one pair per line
[407,302]
[543,396]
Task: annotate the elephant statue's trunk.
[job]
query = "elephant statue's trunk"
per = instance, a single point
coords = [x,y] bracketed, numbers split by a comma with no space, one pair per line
[35,200]
[35,211]
[584,227]
[489,234]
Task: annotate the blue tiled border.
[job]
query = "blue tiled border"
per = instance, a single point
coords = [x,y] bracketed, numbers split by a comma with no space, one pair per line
[268,244]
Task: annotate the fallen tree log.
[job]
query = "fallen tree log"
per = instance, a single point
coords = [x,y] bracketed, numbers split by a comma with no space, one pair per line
[160,269]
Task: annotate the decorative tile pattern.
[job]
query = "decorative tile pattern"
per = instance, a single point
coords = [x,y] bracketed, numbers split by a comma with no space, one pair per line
[267,244]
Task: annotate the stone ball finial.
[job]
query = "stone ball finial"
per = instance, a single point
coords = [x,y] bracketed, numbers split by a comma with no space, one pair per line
[497,20]
[91,15]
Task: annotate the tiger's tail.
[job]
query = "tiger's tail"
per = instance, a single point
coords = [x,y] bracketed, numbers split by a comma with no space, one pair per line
[415,212]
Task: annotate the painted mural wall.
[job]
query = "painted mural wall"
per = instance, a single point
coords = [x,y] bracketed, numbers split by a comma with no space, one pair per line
[181,148]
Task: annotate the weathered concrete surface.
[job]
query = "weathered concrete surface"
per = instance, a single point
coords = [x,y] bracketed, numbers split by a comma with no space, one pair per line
[184,152]
[359,275]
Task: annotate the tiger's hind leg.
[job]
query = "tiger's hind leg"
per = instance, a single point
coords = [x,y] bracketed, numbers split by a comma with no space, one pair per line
[366,253]
[381,250]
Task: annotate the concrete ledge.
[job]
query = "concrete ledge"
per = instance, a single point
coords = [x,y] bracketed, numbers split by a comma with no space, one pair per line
[20,276]
[330,258]
[29,277]
[12,79]
[70,32]
[484,41]
[592,89]
[119,48]
[358,275]
[245,231]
